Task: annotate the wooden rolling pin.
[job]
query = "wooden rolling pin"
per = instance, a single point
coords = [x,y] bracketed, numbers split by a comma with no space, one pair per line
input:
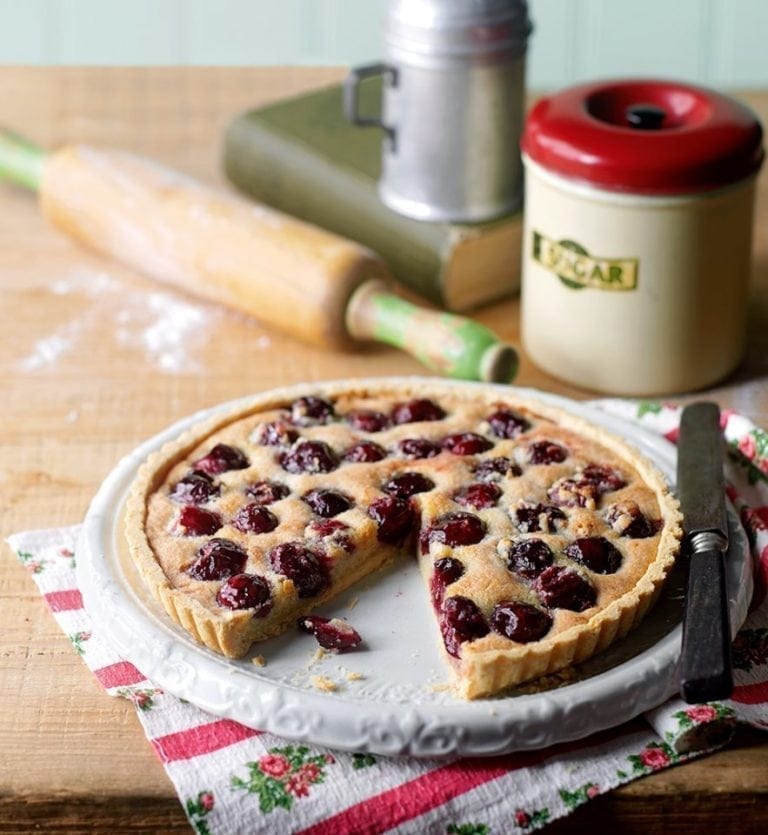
[307,282]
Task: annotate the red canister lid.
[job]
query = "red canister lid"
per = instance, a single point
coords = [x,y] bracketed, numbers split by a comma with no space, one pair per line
[645,136]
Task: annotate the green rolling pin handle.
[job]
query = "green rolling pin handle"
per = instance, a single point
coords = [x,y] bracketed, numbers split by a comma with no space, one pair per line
[21,161]
[445,343]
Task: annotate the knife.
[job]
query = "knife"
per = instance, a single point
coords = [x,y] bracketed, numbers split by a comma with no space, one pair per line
[705,663]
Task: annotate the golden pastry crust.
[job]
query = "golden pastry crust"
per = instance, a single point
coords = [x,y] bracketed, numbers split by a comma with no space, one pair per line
[484,665]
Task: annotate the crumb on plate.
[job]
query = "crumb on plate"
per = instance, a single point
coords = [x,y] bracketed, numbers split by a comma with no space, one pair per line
[323,683]
[318,655]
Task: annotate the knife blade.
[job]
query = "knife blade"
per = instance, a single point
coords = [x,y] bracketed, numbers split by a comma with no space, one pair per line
[705,663]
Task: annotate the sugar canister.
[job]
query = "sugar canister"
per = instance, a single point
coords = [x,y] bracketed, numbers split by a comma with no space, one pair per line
[638,231]
[452,107]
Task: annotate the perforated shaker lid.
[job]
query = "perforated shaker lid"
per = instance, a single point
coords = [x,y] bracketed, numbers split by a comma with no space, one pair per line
[645,136]
[457,27]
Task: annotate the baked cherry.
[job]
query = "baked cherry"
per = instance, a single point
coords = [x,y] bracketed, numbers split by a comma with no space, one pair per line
[194,521]
[414,448]
[564,588]
[520,622]
[546,452]
[220,459]
[417,410]
[445,571]
[266,492]
[246,591]
[331,633]
[218,559]
[309,411]
[254,518]
[326,527]
[365,452]
[528,557]
[586,487]
[333,531]
[394,517]
[461,621]
[195,488]
[505,423]
[405,485]
[466,443]
[627,519]
[595,553]
[604,479]
[570,492]
[531,518]
[479,495]
[641,528]
[327,503]
[276,433]
[309,457]
[454,529]
[304,566]
[367,420]
[494,469]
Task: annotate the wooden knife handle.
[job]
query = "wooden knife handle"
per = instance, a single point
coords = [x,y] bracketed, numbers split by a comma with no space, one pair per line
[705,665]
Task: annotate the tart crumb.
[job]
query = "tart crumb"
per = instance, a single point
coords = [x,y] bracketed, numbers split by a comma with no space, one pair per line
[323,683]
[352,603]
[353,675]
[259,661]
[439,687]
[550,682]
[318,655]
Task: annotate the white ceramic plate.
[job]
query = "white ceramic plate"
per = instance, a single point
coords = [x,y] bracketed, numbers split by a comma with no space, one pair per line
[399,704]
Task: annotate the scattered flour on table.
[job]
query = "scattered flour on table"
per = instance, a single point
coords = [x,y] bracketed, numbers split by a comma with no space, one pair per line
[47,350]
[168,330]
[90,284]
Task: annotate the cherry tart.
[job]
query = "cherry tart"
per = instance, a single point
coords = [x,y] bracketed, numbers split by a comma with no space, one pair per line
[541,537]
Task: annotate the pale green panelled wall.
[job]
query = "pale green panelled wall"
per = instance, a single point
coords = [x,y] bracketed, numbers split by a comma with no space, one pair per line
[719,42]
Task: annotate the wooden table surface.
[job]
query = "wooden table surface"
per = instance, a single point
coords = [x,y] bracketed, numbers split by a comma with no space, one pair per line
[91,365]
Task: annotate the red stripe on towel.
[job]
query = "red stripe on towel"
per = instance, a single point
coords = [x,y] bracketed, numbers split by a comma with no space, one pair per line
[122,674]
[417,797]
[751,694]
[203,739]
[64,601]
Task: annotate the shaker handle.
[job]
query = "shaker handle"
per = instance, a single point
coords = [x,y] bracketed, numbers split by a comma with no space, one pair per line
[351,100]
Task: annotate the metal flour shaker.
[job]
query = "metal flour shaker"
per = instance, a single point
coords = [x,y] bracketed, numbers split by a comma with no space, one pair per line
[452,107]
